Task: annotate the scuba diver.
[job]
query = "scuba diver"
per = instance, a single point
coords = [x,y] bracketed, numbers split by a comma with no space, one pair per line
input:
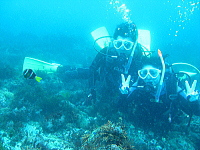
[121,56]
[156,98]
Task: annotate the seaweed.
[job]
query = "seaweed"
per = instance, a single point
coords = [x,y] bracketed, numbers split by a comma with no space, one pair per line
[108,136]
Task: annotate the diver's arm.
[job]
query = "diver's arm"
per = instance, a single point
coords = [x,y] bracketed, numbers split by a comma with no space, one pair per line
[84,73]
[189,107]
[67,72]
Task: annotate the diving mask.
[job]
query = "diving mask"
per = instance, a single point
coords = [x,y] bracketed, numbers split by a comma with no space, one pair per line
[128,45]
[152,72]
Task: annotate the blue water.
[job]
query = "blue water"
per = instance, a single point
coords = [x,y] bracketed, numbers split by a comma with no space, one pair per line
[49,27]
[58,31]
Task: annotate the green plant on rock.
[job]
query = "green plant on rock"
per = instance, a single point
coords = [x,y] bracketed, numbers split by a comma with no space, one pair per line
[65,94]
[2,147]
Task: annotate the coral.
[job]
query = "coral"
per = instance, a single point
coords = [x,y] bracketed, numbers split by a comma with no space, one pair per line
[195,124]
[6,98]
[195,131]
[177,140]
[65,113]
[151,141]
[53,115]
[31,136]
[108,136]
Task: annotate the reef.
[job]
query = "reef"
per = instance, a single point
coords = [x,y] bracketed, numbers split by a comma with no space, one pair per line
[57,115]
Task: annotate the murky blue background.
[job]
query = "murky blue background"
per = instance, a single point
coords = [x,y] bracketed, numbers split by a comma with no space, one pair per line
[59,30]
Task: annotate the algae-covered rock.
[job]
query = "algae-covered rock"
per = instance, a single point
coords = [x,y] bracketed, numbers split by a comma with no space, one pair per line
[109,136]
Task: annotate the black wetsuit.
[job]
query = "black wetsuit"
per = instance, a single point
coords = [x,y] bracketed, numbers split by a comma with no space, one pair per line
[159,116]
[108,66]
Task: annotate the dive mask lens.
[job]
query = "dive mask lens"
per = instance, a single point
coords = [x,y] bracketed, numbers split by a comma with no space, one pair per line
[143,73]
[117,44]
[126,44]
[154,73]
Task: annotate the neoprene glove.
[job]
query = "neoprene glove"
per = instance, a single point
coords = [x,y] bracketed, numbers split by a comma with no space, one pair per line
[124,89]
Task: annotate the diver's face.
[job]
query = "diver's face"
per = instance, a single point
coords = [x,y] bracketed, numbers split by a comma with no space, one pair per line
[150,75]
[123,45]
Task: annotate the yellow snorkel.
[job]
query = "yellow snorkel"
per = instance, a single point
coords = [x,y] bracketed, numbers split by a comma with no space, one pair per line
[157,96]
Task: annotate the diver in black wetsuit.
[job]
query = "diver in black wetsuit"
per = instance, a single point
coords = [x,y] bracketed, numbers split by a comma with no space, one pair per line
[151,108]
[122,56]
